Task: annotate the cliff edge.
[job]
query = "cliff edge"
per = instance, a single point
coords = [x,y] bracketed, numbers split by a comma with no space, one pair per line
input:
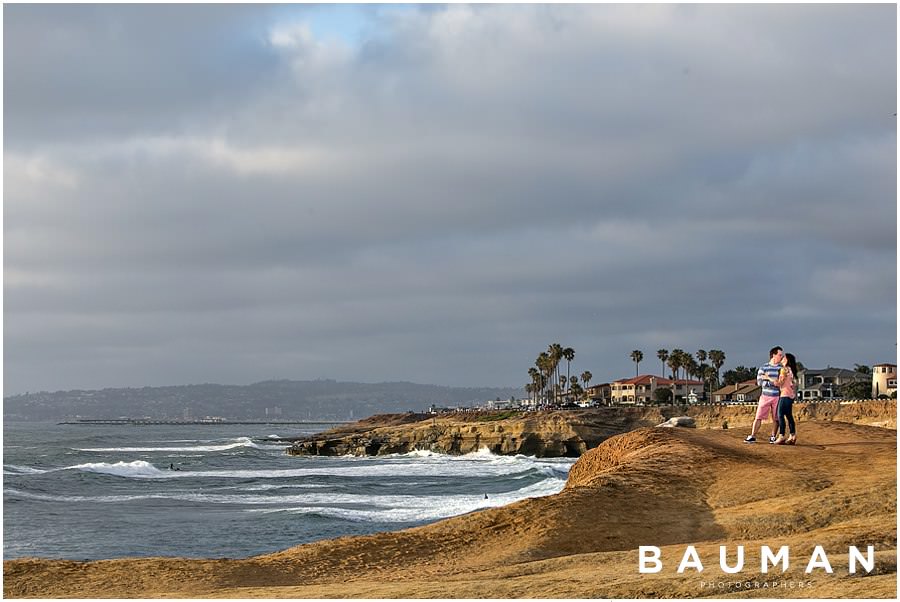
[555,433]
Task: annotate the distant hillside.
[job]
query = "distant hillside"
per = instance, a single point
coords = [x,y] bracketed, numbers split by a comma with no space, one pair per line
[284,399]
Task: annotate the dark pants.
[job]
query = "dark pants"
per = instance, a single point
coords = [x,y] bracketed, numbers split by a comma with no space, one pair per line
[786,410]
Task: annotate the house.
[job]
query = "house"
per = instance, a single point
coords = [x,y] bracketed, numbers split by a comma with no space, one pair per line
[737,393]
[501,404]
[642,389]
[884,380]
[825,384]
[601,393]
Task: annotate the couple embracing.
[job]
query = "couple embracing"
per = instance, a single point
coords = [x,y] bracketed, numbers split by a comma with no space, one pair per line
[779,388]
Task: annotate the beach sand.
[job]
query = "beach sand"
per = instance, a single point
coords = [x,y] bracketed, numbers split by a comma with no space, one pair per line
[656,487]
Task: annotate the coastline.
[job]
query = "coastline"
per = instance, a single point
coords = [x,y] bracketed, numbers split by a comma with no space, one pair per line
[662,487]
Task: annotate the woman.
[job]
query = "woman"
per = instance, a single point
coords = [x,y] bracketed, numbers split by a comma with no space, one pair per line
[787,388]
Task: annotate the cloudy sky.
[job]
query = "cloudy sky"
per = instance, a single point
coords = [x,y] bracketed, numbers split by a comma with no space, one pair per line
[235,193]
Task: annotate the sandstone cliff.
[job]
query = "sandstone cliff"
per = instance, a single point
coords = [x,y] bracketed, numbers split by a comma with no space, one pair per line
[555,433]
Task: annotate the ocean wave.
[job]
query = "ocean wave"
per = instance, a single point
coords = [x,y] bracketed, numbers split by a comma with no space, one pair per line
[138,468]
[414,509]
[12,469]
[443,466]
[240,442]
[339,504]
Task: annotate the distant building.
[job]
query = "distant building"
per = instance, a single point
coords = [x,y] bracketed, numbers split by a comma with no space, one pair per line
[601,393]
[884,380]
[738,393]
[825,384]
[498,404]
[642,389]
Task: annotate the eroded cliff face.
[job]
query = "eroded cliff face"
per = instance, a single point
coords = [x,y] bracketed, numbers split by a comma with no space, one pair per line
[551,434]
[556,433]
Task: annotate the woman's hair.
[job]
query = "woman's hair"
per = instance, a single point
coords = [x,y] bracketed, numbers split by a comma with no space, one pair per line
[792,363]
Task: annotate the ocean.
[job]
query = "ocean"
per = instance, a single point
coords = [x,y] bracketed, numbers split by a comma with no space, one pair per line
[90,492]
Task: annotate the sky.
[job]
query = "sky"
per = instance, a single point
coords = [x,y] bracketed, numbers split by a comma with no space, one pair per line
[235,193]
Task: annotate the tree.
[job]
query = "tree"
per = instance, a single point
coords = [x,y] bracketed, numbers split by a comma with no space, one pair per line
[674,364]
[691,367]
[862,369]
[555,352]
[586,378]
[569,354]
[577,391]
[636,356]
[535,382]
[662,395]
[663,355]
[738,375]
[573,382]
[680,360]
[856,390]
[710,376]
[701,357]
[545,367]
[717,358]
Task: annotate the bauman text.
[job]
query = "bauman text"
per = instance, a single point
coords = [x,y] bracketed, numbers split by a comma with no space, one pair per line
[649,559]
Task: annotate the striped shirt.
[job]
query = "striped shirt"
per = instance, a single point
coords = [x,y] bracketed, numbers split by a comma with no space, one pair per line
[768,387]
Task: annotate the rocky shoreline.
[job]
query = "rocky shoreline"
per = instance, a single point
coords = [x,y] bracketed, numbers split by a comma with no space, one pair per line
[553,433]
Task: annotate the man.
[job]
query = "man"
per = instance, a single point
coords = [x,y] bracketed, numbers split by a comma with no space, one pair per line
[768,400]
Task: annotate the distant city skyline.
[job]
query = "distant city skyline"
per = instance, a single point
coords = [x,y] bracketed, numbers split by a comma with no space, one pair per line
[433,194]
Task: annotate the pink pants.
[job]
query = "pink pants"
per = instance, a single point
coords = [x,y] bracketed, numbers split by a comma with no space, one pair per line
[767,405]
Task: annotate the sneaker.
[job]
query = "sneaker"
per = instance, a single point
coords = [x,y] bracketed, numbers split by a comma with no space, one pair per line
[772,439]
[750,439]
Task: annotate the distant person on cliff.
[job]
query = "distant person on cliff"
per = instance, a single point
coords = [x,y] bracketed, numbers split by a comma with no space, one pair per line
[768,399]
[787,386]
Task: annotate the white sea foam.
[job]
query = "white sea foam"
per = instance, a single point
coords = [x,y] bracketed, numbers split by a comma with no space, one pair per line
[138,468]
[441,466]
[409,509]
[12,469]
[384,508]
[240,442]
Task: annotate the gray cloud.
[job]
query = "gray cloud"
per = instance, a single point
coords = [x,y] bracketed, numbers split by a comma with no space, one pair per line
[214,193]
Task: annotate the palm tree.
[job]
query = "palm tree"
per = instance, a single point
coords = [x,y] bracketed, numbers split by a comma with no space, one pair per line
[535,381]
[577,391]
[701,357]
[636,356]
[663,355]
[691,367]
[569,354]
[555,353]
[573,382]
[544,366]
[717,357]
[674,364]
[586,378]
[708,373]
[680,361]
